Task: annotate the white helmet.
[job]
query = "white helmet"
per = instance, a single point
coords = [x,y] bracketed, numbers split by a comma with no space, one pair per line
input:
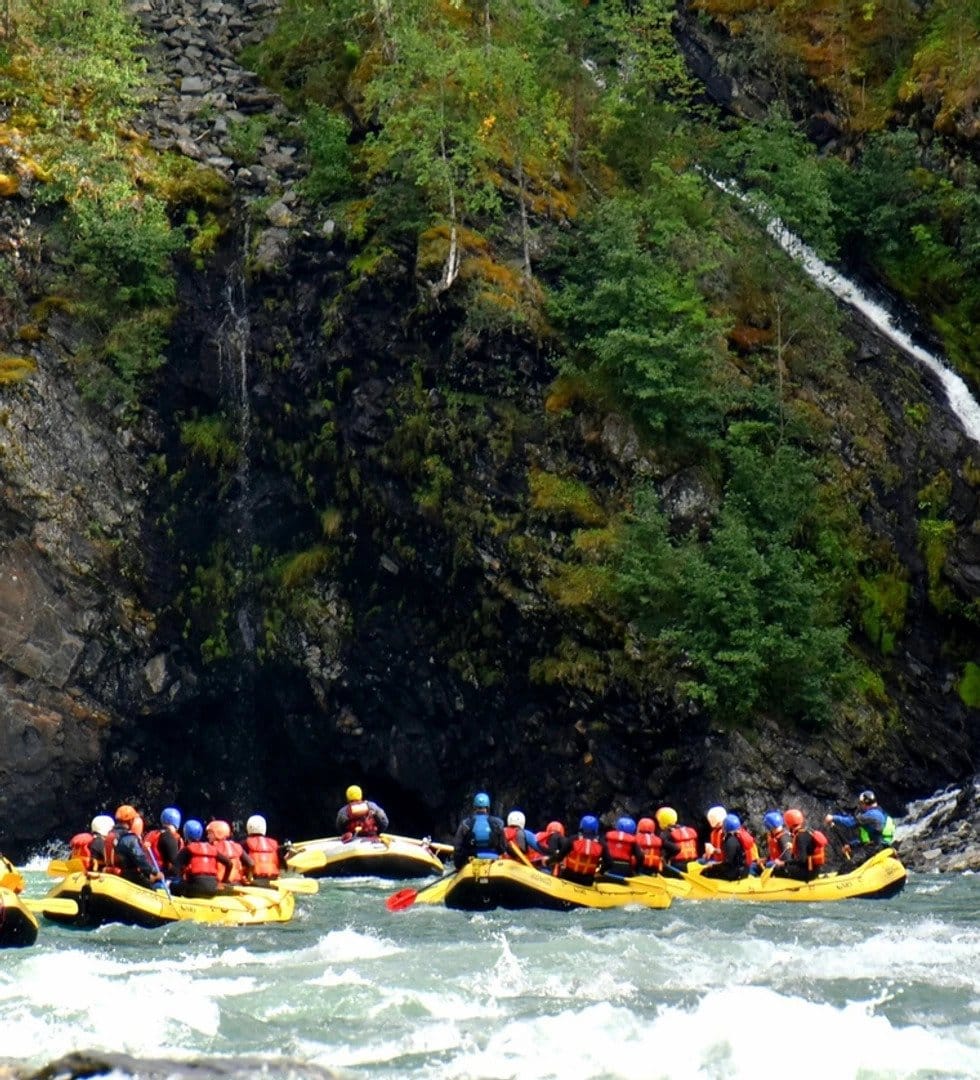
[716,816]
[255,826]
[516,818]
[102,824]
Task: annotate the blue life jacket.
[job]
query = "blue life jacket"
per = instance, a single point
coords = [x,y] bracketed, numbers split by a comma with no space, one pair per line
[482,834]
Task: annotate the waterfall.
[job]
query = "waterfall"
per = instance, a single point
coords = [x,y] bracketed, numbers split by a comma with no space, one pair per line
[234,345]
[962,403]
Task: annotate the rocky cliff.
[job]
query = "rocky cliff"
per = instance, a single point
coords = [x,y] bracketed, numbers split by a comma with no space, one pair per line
[356,577]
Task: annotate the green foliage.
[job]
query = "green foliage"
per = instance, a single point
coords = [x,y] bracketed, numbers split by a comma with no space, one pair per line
[304,566]
[246,137]
[564,498]
[639,325]
[935,536]
[969,685]
[326,136]
[750,616]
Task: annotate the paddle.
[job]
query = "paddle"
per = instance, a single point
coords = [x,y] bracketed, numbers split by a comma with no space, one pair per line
[64,867]
[439,849]
[305,886]
[12,881]
[54,905]
[697,878]
[435,892]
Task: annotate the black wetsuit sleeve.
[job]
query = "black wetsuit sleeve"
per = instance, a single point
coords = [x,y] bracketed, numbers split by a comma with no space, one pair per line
[168,847]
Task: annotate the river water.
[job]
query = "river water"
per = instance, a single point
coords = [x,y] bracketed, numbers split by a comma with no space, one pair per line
[855,989]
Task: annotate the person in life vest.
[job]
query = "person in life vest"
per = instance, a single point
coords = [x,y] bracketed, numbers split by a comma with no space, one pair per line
[680,842]
[583,853]
[716,837]
[360,817]
[808,852]
[869,828]
[618,857]
[649,848]
[265,852]
[479,834]
[779,843]
[89,847]
[124,852]
[734,863]
[165,843]
[241,865]
[197,863]
[517,835]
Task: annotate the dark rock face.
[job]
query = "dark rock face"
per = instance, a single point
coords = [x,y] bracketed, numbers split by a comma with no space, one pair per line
[416,660]
[97,1063]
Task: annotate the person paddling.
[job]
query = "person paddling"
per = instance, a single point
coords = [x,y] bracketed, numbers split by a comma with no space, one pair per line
[733,865]
[197,864]
[515,833]
[124,852]
[870,829]
[264,851]
[164,843]
[808,852]
[583,854]
[242,864]
[359,816]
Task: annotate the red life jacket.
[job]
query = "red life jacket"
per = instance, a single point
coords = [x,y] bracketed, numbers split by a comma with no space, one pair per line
[773,844]
[265,851]
[619,847]
[110,854]
[81,848]
[360,820]
[514,835]
[234,851]
[152,843]
[649,851]
[686,839]
[717,838]
[749,846]
[584,856]
[818,855]
[203,861]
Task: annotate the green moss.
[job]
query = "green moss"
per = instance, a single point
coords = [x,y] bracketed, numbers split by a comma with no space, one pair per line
[563,497]
[210,438]
[304,566]
[884,601]
[969,685]
[934,540]
[917,415]
[15,369]
[934,497]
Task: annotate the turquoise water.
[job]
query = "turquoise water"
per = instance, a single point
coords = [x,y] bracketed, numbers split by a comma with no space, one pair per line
[856,989]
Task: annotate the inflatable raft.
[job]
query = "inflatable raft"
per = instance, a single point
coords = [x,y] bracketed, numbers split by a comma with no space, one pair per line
[106,898]
[18,924]
[384,856]
[483,884]
[881,877]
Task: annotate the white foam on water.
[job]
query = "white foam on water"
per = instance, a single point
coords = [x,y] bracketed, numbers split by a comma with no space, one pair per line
[726,1034]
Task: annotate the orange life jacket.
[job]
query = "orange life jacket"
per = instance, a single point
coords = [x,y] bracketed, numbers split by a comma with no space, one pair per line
[649,851]
[584,856]
[717,838]
[360,819]
[686,839]
[233,874]
[203,861]
[773,843]
[110,854]
[818,855]
[619,847]
[265,852]
[81,848]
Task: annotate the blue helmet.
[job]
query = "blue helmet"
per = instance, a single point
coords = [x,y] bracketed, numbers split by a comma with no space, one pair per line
[626,824]
[773,820]
[170,816]
[732,823]
[193,830]
[589,825]
[481,801]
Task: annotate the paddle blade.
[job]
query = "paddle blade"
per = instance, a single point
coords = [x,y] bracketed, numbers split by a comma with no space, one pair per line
[64,867]
[304,886]
[402,899]
[13,881]
[52,906]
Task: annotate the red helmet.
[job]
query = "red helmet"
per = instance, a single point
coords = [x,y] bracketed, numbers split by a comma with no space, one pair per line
[555,827]
[793,818]
[645,824]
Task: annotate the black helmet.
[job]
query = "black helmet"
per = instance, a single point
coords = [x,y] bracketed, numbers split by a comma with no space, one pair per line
[867,798]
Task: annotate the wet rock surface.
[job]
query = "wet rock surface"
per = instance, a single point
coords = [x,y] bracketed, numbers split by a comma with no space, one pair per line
[85,1063]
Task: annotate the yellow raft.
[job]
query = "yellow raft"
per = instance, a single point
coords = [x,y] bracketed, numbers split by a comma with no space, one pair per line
[384,856]
[483,884]
[18,924]
[105,898]
[881,877]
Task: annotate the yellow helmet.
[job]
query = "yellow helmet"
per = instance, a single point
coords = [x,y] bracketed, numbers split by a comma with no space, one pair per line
[354,793]
[666,816]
